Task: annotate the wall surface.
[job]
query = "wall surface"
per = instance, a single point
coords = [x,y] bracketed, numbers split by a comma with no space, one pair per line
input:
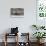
[6,21]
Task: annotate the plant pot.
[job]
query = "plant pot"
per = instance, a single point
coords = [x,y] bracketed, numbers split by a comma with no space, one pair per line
[40,41]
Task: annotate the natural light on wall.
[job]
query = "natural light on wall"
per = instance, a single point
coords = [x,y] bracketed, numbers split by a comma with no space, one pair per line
[41,9]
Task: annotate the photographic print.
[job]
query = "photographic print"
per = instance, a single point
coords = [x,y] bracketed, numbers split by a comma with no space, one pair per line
[17,12]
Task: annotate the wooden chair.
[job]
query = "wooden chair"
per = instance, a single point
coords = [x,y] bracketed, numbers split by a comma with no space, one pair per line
[27,37]
[8,34]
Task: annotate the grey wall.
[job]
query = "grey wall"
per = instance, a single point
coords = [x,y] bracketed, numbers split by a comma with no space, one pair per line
[6,21]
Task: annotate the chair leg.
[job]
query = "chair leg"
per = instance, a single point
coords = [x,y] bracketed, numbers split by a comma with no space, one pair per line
[5,39]
[5,43]
[17,39]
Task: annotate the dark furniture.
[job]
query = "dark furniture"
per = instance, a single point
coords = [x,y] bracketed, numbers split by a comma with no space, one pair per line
[14,30]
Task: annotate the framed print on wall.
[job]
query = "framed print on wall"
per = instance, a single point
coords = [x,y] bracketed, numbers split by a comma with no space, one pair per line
[17,12]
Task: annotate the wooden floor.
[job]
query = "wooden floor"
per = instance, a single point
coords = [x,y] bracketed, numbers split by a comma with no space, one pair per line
[13,44]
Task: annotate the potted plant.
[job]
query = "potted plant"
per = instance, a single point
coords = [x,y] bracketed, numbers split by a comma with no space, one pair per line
[42,27]
[35,26]
[38,27]
[39,35]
